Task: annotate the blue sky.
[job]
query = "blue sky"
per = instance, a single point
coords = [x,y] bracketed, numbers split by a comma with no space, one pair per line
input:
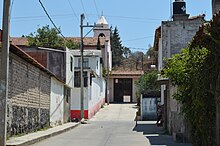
[136,20]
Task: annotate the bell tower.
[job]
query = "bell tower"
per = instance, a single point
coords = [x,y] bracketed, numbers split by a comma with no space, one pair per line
[102,30]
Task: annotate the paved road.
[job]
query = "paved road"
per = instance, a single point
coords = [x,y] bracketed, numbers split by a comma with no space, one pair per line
[114,125]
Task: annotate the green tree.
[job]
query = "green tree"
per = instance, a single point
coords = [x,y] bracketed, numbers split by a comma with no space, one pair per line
[46,37]
[117,48]
[71,44]
[126,52]
[147,82]
[49,37]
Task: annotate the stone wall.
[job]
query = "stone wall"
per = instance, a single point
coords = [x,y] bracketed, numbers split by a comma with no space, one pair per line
[177,35]
[29,97]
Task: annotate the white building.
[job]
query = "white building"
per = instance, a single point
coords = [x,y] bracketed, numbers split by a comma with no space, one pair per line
[56,102]
[94,84]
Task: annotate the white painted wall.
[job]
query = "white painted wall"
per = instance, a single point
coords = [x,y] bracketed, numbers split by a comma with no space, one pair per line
[56,102]
[69,73]
[75,102]
[97,91]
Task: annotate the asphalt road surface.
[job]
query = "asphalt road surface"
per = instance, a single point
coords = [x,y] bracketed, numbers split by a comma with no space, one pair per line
[113,125]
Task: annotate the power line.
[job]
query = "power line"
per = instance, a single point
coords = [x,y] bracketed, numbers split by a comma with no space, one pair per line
[96,7]
[12,4]
[51,19]
[73,10]
[84,10]
[138,39]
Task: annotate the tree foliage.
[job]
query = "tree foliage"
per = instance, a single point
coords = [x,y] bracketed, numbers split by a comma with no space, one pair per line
[126,52]
[147,82]
[49,37]
[196,72]
[117,48]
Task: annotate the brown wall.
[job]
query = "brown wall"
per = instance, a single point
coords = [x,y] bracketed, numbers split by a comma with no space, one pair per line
[29,97]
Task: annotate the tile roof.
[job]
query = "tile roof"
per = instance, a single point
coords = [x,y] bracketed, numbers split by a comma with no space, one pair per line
[23,41]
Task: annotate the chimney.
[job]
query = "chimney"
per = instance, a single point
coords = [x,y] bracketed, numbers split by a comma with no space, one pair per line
[179,10]
[215,6]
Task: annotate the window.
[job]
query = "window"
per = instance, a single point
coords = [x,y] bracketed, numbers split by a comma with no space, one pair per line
[71,63]
[85,62]
[77,79]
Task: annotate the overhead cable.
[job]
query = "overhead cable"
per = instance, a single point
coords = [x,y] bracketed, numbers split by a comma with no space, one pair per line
[96,8]
[136,39]
[58,30]
[73,10]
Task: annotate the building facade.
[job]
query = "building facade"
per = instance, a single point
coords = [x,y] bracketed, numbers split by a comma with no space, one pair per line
[28,93]
[170,38]
[122,86]
[94,84]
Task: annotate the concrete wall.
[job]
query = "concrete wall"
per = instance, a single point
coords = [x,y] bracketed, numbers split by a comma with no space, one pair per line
[177,34]
[97,95]
[76,104]
[56,102]
[69,74]
[29,97]
[215,6]
[94,94]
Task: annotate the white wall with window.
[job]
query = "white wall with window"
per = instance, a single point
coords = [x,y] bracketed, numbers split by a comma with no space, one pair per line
[94,83]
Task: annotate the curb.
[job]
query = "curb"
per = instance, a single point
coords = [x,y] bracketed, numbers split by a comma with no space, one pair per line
[43,137]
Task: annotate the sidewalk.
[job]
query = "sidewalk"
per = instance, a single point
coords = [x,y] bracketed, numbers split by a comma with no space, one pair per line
[31,138]
[156,135]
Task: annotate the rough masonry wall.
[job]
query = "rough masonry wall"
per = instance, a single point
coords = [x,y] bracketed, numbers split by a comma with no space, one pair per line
[29,97]
[177,35]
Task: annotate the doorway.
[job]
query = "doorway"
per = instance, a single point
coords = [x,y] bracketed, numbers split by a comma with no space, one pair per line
[123,90]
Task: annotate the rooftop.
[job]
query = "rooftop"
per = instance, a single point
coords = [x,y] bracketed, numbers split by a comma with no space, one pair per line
[23,41]
[102,20]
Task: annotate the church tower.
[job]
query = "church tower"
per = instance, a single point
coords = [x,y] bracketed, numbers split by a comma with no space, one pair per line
[102,30]
[215,6]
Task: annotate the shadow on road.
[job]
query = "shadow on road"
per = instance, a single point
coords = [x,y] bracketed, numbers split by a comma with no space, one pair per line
[155,134]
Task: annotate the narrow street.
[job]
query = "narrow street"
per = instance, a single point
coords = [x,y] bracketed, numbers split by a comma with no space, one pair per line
[114,125]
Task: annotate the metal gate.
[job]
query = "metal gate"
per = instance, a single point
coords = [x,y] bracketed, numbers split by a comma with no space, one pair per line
[123,90]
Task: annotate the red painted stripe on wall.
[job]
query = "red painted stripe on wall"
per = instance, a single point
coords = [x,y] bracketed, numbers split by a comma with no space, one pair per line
[96,108]
[76,114]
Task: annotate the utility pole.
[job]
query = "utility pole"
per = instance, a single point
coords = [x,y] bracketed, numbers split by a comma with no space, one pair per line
[82,17]
[108,84]
[4,73]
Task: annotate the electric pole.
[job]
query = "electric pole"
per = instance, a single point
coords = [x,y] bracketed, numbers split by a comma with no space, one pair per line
[4,72]
[82,17]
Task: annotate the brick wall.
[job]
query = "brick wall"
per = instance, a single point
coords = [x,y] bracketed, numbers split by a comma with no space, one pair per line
[29,97]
